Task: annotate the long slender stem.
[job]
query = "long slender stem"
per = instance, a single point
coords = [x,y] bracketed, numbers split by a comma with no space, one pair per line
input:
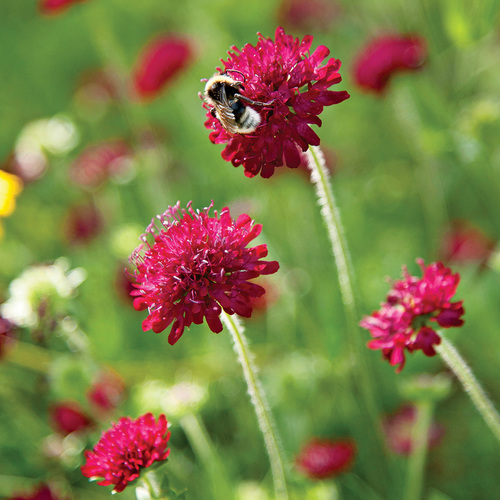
[416,461]
[362,377]
[472,387]
[257,397]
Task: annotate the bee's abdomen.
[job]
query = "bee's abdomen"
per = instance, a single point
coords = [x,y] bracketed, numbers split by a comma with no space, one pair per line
[247,119]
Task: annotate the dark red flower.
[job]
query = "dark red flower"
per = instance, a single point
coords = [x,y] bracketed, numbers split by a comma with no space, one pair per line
[162,60]
[386,56]
[325,458]
[6,335]
[197,266]
[99,162]
[106,391]
[56,6]
[67,417]
[398,429]
[308,15]
[82,224]
[464,243]
[125,449]
[402,321]
[42,492]
[284,73]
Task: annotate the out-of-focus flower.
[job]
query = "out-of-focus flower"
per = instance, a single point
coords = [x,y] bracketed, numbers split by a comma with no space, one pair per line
[197,266]
[41,492]
[464,243]
[402,323]
[180,399]
[325,458]
[10,187]
[386,56]
[308,15]
[125,449]
[106,392]
[46,287]
[6,335]
[398,429]
[160,62]
[96,91]
[82,224]
[124,283]
[97,163]
[56,6]
[285,74]
[67,417]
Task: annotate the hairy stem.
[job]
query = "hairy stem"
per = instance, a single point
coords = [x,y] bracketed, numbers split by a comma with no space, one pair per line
[472,387]
[257,397]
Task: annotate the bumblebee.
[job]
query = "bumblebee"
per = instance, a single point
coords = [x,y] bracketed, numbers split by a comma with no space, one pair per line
[222,94]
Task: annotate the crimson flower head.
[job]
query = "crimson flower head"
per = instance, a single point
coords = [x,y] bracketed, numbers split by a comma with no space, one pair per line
[284,74]
[42,492]
[404,321]
[386,56]
[325,458]
[197,266]
[98,162]
[67,417]
[125,449]
[399,429]
[162,60]
[56,6]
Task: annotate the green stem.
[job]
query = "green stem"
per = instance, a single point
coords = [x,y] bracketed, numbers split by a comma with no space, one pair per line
[416,461]
[472,387]
[362,377]
[203,448]
[264,417]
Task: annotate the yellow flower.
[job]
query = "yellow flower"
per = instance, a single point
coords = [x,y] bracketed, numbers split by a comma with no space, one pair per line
[10,187]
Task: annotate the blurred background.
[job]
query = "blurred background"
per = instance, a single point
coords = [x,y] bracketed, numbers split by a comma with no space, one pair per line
[92,147]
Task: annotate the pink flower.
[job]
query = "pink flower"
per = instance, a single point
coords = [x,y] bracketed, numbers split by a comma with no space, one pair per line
[162,60]
[197,266]
[325,458]
[42,492]
[284,73]
[398,429]
[6,335]
[67,417]
[98,162]
[106,392]
[82,224]
[309,15]
[56,6]
[125,449]
[464,243]
[402,322]
[386,56]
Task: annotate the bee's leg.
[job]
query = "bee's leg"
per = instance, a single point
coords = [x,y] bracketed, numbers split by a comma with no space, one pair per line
[251,102]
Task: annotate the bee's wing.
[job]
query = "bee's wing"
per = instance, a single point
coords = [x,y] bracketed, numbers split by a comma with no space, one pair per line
[225,113]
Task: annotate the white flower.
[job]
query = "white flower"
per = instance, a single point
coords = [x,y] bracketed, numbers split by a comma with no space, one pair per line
[38,284]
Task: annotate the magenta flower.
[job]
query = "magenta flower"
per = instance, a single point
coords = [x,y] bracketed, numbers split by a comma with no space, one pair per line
[398,429]
[403,321]
[6,335]
[284,73]
[197,266]
[386,56]
[42,492]
[82,224]
[106,392]
[325,458]
[67,417]
[125,449]
[464,243]
[97,163]
[162,60]
[56,6]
